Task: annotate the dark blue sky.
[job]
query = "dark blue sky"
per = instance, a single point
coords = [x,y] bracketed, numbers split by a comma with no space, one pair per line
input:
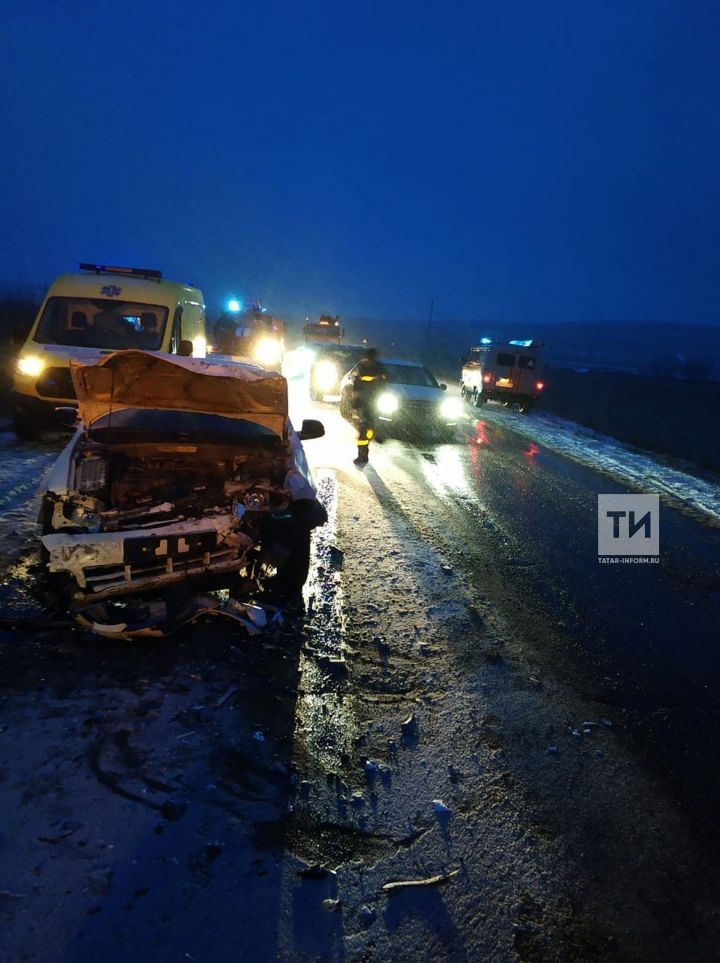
[513,159]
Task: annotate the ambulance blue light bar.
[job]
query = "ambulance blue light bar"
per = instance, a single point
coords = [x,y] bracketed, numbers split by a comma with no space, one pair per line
[128,271]
[522,344]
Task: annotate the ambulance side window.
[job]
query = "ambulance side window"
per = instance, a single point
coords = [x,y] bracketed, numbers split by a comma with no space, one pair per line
[526,361]
[506,360]
[176,336]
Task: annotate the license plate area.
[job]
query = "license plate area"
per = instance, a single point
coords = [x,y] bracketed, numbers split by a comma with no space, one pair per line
[147,549]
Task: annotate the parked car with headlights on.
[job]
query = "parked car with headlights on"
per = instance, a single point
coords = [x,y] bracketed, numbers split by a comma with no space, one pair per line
[411,402]
[330,363]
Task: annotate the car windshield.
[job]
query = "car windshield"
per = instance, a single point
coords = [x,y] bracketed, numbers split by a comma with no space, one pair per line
[102,323]
[410,374]
[156,424]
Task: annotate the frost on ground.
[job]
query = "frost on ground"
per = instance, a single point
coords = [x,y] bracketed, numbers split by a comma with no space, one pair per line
[564,849]
[396,774]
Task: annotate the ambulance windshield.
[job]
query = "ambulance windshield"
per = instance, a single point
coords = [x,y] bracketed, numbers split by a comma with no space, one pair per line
[102,323]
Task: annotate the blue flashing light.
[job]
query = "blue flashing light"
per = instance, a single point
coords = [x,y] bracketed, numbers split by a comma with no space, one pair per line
[485,340]
[521,344]
[234,305]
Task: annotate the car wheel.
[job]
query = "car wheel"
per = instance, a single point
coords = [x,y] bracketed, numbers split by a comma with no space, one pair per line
[25,429]
[315,395]
[479,398]
[464,392]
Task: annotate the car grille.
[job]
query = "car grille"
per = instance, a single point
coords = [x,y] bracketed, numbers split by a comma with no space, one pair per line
[56,383]
[117,580]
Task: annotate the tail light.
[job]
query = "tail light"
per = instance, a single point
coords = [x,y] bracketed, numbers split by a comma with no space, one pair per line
[487,378]
[540,385]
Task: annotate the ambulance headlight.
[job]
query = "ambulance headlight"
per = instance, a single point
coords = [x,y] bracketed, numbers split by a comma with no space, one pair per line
[387,403]
[268,352]
[451,409]
[325,375]
[30,365]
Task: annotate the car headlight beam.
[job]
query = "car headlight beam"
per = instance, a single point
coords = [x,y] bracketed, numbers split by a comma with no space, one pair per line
[268,351]
[387,403]
[325,375]
[30,365]
[451,409]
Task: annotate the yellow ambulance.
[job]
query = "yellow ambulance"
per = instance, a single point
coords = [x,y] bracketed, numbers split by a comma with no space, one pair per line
[91,313]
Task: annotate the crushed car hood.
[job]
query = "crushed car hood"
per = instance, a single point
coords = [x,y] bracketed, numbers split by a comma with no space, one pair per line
[140,379]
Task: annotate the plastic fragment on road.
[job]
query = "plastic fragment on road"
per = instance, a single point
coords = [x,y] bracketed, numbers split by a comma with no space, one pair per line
[332,905]
[225,696]
[409,722]
[428,881]
[447,569]
[440,807]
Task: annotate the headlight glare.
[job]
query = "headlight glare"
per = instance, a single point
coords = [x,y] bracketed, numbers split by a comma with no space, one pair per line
[268,351]
[325,375]
[451,409]
[387,403]
[30,365]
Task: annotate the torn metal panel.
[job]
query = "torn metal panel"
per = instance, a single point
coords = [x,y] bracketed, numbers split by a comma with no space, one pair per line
[138,379]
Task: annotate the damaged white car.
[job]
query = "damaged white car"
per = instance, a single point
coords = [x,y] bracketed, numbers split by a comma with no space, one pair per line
[183,476]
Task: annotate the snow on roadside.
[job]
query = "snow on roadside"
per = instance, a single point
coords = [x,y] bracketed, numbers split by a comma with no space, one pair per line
[639,469]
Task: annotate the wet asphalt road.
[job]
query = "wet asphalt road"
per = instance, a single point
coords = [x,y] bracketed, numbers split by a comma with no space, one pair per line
[643,638]
[162,799]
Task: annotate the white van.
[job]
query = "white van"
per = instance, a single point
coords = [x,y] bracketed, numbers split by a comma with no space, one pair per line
[508,371]
[91,313]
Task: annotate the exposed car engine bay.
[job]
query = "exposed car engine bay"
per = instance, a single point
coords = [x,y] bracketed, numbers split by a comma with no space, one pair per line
[183,478]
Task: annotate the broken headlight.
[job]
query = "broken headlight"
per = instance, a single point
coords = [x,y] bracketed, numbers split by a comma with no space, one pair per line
[91,474]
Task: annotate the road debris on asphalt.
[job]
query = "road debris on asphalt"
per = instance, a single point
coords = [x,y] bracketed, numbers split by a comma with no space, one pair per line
[428,881]
[225,696]
[153,620]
